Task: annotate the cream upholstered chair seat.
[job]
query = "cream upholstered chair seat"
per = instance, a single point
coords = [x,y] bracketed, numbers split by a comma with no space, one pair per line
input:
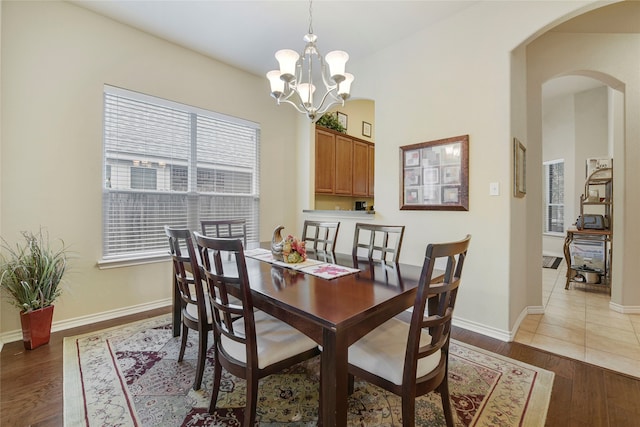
[276,340]
[382,352]
[192,310]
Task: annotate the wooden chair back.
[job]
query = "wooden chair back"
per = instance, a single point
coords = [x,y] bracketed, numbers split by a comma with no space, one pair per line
[225,228]
[320,239]
[229,293]
[185,267]
[377,242]
[188,281]
[433,308]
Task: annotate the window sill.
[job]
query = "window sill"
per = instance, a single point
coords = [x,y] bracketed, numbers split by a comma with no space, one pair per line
[104,264]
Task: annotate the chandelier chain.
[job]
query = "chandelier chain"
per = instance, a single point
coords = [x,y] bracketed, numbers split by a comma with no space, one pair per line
[310,16]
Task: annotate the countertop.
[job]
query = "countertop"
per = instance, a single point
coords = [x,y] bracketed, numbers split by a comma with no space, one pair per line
[340,212]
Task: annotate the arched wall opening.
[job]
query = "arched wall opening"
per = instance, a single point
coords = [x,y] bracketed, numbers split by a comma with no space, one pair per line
[605,56]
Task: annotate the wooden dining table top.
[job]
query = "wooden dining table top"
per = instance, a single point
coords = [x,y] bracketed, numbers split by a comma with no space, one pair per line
[331,303]
[333,312]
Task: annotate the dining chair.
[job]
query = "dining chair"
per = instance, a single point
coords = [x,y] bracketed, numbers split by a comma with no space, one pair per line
[248,343]
[412,359]
[195,310]
[377,243]
[320,239]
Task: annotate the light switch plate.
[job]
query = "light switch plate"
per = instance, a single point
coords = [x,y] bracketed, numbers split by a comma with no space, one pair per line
[494,189]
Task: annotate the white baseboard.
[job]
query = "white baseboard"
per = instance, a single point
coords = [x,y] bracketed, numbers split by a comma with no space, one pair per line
[16,335]
[502,335]
[624,309]
[479,328]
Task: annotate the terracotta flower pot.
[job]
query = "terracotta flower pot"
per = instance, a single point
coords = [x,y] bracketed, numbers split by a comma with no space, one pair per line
[36,327]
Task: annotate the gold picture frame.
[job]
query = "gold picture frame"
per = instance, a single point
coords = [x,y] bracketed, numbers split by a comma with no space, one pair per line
[519,169]
[435,175]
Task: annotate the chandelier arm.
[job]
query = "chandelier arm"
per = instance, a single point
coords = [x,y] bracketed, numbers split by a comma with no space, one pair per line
[323,110]
[296,106]
[334,100]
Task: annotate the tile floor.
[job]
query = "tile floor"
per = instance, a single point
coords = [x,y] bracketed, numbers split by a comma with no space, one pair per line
[578,323]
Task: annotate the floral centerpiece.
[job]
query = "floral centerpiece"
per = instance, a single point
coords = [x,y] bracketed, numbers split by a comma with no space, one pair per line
[293,250]
[289,250]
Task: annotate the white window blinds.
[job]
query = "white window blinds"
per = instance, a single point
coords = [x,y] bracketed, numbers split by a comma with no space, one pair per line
[171,164]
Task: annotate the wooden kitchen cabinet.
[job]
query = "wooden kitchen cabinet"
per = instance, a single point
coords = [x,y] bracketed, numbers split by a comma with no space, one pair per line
[371,170]
[360,169]
[344,165]
[325,162]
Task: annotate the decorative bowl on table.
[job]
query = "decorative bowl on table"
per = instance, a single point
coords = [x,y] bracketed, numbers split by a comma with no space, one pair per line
[289,250]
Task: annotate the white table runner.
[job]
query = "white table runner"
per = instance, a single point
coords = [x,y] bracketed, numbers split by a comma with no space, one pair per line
[310,266]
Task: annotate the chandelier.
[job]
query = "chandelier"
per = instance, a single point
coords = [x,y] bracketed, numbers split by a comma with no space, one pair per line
[294,83]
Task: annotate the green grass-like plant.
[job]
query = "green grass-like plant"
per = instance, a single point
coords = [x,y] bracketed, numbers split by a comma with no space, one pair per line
[330,120]
[32,271]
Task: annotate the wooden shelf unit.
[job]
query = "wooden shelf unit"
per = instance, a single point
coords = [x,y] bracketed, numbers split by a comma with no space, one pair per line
[598,196]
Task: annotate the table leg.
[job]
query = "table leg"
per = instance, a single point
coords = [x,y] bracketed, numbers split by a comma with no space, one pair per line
[567,258]
[334,394]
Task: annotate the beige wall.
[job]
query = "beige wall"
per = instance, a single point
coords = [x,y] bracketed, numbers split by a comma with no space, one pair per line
[56,57]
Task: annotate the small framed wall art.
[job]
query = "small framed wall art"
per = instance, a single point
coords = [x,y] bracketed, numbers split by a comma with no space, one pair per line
[366,129]
[519,169]
[342,118]
[435,175]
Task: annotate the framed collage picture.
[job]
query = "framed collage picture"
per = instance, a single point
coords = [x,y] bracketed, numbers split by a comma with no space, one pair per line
[435,175]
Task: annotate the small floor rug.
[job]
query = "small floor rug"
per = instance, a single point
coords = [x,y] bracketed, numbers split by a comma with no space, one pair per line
[130,376]
[551,262]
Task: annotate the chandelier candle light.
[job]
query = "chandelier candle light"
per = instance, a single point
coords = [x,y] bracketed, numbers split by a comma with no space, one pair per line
[293,82]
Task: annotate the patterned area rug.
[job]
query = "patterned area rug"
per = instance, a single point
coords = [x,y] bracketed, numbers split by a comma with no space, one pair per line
[129,376]
[551,262]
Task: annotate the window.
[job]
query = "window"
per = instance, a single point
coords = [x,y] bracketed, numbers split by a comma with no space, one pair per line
[144,179]
[554,196]
[171,164]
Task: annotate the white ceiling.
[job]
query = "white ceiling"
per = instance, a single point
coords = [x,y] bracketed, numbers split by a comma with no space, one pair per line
[246,34]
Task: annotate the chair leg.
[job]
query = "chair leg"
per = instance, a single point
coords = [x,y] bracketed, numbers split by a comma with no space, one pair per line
[215,388]
[183,343]
[443,389]
[408,411]
[202,358]
[252,401]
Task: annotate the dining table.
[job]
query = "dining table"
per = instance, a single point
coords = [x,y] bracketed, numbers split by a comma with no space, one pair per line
[334,312]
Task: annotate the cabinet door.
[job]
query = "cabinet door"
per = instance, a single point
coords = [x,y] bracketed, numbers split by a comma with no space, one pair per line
[360,168]
[325,162]
[371,169]
[344,165]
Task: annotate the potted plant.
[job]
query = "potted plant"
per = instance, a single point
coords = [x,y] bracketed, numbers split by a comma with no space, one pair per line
[32,272]
[330,121]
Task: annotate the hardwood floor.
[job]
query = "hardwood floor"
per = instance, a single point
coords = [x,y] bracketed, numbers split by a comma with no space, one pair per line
[31,390]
